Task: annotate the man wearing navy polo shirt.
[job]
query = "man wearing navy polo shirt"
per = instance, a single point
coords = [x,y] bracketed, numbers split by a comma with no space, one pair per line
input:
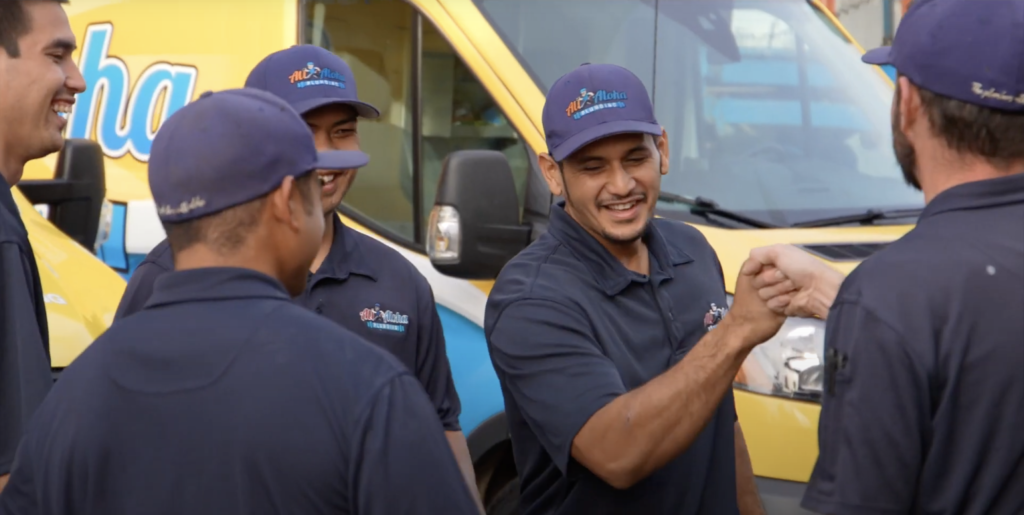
[923,410]
[222,396]
[607,333]
[354,276]
[38,82]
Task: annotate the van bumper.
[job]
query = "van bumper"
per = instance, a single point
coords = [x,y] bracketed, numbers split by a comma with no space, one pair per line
[782,497]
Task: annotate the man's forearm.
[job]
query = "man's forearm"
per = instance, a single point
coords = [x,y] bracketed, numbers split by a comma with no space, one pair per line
[641,431]
[747,497]
[457,441]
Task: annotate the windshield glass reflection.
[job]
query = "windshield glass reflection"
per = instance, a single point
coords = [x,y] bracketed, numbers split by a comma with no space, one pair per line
[769,111]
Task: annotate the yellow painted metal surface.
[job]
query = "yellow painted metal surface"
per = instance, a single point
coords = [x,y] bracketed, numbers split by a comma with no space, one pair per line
[80,292]
[781,434]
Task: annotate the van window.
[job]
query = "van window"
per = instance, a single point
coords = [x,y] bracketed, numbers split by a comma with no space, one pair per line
[375,39]
[457,113]
[768,109]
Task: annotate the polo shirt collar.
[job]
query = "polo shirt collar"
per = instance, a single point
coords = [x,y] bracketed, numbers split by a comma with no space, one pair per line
[608,271]
[346,257]
[215,283]
[978,194]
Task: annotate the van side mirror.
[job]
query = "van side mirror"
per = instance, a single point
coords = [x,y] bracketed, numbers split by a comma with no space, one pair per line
[76,194]
[474,227]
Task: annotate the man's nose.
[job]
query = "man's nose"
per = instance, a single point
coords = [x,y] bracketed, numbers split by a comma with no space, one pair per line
[74,80]
[621,182]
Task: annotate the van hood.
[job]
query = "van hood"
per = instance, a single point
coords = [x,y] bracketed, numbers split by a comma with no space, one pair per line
[846,247]
[81,293]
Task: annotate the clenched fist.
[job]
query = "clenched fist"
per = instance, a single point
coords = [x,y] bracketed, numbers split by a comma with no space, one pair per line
[791,281]
[750,314]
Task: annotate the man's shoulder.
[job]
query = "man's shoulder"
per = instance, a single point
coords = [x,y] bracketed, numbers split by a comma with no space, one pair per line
[684,239]
[545,272]
[383,257]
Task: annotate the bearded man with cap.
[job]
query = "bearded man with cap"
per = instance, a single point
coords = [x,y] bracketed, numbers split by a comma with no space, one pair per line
[617,382]
[222,396]
[923,408]
[352,272]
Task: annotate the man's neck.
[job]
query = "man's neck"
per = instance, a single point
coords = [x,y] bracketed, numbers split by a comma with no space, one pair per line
[325,243]
[11,168]
[942,170]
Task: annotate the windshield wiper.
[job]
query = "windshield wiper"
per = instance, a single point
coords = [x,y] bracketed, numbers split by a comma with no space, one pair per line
[864,218]
[703,205]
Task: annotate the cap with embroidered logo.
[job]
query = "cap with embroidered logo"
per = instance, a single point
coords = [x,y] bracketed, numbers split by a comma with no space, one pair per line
[308,77]
[968,50]
[592,102]
[231,147]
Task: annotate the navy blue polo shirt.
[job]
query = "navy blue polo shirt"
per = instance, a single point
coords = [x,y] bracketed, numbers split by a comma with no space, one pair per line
[25,376]
[368,288]
[569,329]
[224,397]
[923,409]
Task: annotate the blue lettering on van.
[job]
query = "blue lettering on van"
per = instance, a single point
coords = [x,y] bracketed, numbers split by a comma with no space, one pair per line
[123,120]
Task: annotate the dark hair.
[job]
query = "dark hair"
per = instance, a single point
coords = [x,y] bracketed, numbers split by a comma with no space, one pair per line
[14,23]
[993,134]
[227,230]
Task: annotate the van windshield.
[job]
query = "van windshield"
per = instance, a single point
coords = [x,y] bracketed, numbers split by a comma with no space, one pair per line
[769,110]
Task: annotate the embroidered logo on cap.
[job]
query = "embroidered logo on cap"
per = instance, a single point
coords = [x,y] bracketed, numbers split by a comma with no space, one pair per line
[590,101]
[714,316]
[183,208]
[980,90]
[313,75]
[377,318]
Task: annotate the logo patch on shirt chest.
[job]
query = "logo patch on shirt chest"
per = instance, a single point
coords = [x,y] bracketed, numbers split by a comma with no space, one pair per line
[384,320]
[714,316]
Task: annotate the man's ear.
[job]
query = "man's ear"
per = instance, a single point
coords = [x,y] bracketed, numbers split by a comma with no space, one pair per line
[285,203]
[909,105]
[662,142]
[552,174]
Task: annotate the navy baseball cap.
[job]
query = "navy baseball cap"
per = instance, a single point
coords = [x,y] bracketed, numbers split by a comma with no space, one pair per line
[592,102]
[968,50]
[308,77]
[231,147]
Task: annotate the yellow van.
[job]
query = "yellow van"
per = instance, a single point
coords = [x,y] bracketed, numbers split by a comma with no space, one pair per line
[778,134]
[68,219]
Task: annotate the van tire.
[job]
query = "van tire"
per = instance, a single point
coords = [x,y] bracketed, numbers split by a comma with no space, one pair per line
[506,500]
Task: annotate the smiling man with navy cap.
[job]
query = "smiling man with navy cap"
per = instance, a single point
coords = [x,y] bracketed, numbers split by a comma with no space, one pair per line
[923,405]
[610,334]
[352,272]
[222,396]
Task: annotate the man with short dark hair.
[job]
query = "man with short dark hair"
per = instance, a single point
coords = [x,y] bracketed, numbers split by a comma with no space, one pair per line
[610,334]
[352,272]
[222,396]
[38,83]
[923,407]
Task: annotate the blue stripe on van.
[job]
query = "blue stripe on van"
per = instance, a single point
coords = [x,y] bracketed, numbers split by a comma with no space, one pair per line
[472,371]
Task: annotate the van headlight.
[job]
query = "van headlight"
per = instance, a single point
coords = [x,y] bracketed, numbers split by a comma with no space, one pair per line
[790,364]
[106,222]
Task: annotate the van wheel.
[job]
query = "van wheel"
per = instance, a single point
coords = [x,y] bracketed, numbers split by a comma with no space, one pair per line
[506,499]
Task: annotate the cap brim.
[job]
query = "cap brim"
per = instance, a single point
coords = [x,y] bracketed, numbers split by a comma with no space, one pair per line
[341,159]
[363,109]
[603,130]
[879,56]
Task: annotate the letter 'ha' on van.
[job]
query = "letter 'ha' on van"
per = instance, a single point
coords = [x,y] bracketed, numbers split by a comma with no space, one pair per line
[769,111]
